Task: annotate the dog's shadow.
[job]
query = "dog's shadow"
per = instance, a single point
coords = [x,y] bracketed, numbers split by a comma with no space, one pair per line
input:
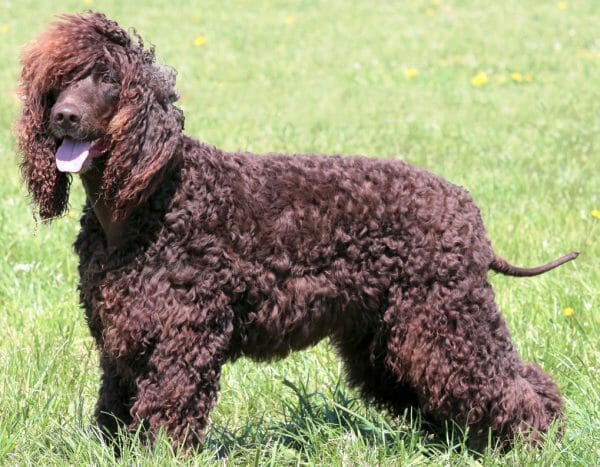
[312,419]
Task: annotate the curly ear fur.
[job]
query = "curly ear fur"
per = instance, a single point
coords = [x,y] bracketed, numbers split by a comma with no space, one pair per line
[48,187]
[144,132]
[61,55]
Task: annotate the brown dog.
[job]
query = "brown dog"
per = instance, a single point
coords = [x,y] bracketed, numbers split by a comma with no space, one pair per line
[191,257]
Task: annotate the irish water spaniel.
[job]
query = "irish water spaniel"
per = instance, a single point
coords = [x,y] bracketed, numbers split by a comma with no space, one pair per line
[190,257]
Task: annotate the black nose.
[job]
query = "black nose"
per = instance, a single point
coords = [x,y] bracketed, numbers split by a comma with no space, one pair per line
[66,116]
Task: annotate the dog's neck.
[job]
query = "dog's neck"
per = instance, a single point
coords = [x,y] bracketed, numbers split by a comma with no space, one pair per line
[113,231]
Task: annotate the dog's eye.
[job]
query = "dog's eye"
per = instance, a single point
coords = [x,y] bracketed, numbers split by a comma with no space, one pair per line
[107,78]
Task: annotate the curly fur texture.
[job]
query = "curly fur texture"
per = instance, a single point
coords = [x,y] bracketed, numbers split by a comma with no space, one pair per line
[223,255]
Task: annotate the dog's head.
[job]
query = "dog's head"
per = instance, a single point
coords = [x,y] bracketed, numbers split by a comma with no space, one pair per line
[92,95]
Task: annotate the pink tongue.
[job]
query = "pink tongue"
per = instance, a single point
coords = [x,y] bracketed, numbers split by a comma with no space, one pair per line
[72,155]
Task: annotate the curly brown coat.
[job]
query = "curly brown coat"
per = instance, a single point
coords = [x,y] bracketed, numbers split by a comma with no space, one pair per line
[191,257]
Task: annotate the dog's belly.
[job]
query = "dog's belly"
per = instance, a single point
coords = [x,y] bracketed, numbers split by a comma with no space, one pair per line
[299,313]
[273,340]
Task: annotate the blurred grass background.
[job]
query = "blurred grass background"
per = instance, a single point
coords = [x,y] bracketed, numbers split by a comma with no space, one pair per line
[499,97]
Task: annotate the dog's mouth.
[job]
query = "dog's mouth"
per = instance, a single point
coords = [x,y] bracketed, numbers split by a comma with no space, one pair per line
[77,156]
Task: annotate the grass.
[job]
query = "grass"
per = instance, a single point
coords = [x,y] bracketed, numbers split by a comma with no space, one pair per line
[388,79]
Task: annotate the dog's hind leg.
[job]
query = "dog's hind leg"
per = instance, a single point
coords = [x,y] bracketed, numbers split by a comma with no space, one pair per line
[450,343]
[364,362]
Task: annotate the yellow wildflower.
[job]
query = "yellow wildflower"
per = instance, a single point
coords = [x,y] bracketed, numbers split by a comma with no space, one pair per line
[516,77]
[199,41]
[563,5]
[411,72]
[568,312]
[480,79]
[528,77]
[589,55]
[289,20]
[596,213]
[88,2]
[430,12]
[4,28]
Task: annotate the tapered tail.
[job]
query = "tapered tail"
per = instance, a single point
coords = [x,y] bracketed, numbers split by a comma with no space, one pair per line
[504,267]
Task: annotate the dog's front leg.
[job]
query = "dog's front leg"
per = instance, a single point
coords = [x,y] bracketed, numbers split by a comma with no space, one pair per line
[180,387]
[114,402]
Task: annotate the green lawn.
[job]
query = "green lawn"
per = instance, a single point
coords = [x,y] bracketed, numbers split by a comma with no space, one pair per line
[499,97]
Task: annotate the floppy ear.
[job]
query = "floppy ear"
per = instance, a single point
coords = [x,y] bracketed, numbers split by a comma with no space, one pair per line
[145,132]
[48,187]
[61,54]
